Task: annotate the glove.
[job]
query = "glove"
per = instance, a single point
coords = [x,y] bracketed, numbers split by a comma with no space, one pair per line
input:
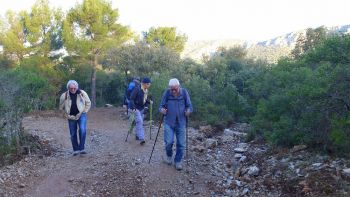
[163,111]
[187,113]
[145,110]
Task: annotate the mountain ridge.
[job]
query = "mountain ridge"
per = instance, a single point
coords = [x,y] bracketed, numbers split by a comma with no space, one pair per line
[270,50]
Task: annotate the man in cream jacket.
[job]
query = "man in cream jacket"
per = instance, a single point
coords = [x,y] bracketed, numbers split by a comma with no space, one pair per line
[76,103]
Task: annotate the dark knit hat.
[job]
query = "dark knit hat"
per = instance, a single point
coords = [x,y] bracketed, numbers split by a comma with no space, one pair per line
[146,80]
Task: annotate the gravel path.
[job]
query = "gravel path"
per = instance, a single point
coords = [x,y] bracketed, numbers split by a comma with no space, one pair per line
[112,166]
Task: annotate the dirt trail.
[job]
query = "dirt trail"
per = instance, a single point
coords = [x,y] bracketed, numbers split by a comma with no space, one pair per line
[218,165]
[112,167]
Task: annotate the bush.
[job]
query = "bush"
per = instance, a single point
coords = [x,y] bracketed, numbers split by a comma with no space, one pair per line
[306,101]
[23,89]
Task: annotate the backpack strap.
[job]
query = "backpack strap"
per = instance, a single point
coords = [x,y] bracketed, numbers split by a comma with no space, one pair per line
[184,95]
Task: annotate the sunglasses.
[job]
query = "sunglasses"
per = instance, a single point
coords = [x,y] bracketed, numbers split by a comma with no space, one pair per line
[173,89]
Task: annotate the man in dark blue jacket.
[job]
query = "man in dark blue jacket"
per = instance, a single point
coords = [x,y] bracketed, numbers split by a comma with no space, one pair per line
[175,105]
[138,101]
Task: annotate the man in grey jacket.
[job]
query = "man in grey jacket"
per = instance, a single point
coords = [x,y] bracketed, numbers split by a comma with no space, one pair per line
[175,106]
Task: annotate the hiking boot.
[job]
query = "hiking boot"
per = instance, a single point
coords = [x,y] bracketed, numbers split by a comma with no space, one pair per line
[75,153]
[178,165]
[168,160]
[83,152]
[142,142]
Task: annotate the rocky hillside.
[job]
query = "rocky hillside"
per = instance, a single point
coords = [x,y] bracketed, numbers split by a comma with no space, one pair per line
[270,50]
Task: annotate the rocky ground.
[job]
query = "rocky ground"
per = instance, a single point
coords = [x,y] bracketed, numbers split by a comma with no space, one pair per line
[219,163]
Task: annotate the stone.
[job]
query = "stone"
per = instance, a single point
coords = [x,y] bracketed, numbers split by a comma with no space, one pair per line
[238,156]
[245,191]
[229,192]
[240,150]
[198,148]
[346,171]
[21,185]
[211,143]
[227,139]
[243,158]
[207,130]
[298,148]
[239,134]
[316,165]
[253,171]
[243,145]
[228,132]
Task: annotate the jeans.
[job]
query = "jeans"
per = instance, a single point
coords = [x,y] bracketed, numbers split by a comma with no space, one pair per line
[140,132]
[179,131]
[73,127]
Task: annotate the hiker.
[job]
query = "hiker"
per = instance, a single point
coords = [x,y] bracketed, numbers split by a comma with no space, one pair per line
[175,105]
[134,83]
[76,103]
[138,102]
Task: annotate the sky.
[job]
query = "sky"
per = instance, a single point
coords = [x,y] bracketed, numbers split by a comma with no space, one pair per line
[254,20]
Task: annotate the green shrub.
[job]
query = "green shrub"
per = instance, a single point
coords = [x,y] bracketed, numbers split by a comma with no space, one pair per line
[340,136]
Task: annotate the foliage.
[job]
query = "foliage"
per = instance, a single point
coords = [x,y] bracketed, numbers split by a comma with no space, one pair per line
[309,41]
[12,37]
[31,33]
[23,89]
[5,63]
[89,30]
[158,86]
[306,101]
[340,135]
[140,59]
[165,37]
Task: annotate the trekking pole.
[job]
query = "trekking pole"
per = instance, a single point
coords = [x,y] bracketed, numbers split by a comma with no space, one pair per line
[155,141]
[150,122]
[187,139]
[132,124]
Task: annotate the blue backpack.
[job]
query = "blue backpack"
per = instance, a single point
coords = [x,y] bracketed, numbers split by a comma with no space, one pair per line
[130,88]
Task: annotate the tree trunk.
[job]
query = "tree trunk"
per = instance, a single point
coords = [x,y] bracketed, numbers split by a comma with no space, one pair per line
[93,82]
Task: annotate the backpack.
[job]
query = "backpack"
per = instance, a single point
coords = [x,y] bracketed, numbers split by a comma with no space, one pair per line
[130,88]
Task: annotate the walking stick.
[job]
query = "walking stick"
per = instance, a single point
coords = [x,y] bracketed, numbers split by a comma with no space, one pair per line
[150,122]
[132,125]
[187,139]
[155,141]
